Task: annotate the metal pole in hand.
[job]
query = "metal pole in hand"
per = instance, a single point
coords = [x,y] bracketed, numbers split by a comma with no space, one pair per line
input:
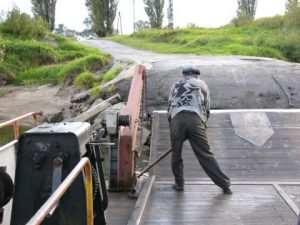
[154,163]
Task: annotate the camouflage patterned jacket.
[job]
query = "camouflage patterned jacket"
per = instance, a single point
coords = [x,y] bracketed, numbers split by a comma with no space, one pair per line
[189,94]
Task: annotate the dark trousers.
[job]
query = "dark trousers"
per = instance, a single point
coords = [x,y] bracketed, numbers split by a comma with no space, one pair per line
[188,125]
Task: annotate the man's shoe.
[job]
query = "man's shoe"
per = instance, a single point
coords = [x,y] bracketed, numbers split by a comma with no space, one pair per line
[227,191]
[177,187]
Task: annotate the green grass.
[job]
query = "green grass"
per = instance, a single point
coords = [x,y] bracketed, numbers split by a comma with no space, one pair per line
[96,91]
[29,54]
[268,37]
[111,74]
[40,62]
[85,80]
[59,73]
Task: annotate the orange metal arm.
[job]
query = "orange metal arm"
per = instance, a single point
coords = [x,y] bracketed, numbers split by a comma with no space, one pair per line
[128,134]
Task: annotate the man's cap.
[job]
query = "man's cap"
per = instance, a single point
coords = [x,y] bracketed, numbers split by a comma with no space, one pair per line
[190,70]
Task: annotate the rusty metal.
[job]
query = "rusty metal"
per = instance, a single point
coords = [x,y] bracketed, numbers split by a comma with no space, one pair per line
[127,139]
[15,122]
[52,202]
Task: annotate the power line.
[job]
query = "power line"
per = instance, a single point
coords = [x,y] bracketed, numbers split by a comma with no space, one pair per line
[119,24]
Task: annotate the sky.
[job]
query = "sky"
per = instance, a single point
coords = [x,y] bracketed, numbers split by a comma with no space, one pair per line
[202,13]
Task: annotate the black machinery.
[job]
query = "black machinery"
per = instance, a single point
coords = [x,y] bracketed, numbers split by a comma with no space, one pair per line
[46,155]
[6,190]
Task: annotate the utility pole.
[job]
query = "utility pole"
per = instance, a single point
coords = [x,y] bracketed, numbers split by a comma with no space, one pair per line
[170,15]
[133,16]
[119,24]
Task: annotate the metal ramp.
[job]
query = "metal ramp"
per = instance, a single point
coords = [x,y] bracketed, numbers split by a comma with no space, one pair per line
[265,176]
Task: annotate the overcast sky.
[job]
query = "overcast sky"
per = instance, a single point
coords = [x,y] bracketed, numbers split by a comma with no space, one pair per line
[203,13]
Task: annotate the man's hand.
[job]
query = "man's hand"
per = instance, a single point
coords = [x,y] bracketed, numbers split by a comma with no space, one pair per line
[169,119]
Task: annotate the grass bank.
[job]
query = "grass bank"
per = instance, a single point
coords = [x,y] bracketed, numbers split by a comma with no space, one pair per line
[267,37]
[29,54]
[52,60]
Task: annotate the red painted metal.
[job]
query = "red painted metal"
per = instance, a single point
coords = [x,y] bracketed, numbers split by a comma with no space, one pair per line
[15,122]
[127,140]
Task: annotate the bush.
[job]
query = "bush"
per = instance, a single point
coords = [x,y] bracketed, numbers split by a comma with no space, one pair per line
[292,17]
[21,25]
[6,76]
[242,20]
[85,80]
[271,22]
[290,47]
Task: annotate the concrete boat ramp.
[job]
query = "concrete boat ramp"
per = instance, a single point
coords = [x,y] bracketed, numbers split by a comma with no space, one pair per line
[258,149]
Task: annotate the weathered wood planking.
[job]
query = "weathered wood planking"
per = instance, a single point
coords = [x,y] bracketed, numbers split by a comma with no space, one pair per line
[119,208]
[262,176]
[278,159]
[205,204]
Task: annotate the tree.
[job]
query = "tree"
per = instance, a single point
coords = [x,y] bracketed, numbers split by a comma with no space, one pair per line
[293,13]
[46,10]
[154,10]
[291,5]
[141,25]
[102,14]
[246,8]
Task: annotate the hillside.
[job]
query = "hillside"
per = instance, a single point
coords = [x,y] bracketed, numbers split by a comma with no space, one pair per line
[51,60]
[29,54]
[267,37]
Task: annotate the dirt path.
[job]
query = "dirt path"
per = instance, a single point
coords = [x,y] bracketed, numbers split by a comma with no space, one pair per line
[234,81]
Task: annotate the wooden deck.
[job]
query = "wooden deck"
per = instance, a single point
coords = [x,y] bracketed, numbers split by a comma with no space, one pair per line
[265,179]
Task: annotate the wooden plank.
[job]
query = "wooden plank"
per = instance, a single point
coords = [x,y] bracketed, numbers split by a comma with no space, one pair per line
[91,113]
[293,191]
[284,119]
[205,204]
[295,186]
[287,199]
[154,141]
[253,171]
[228,133]
[289,118]
[119,208]
[136,217]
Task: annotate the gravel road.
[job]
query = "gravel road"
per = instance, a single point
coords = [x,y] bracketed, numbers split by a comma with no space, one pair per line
[235,82]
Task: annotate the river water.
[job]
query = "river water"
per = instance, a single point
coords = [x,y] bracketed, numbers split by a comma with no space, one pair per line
[7,133]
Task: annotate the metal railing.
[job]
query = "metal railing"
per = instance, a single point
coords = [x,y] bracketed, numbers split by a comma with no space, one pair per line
[49,206]
[15,122]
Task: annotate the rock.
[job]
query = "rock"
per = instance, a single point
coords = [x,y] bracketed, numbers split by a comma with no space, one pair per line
[54,117]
